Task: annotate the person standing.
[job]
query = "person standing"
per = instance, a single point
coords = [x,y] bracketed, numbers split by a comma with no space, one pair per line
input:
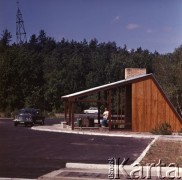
[105,117]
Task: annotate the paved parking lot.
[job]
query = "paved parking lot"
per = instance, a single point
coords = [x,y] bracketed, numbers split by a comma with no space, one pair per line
[25,153]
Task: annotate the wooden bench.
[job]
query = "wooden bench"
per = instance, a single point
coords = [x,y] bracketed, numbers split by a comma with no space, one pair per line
[117,124]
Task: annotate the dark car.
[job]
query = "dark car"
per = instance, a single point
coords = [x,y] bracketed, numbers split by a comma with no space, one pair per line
[29,117]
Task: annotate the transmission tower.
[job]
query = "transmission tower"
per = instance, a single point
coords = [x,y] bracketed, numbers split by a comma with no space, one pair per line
[20,29]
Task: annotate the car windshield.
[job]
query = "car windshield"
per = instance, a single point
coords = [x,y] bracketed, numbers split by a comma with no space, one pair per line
[93,108]
[25,111]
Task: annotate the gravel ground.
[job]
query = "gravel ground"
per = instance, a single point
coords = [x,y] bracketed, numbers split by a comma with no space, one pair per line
[166,150]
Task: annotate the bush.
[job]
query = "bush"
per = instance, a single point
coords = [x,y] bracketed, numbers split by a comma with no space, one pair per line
[162,129]
[45,113]
[51,115]
[7,113]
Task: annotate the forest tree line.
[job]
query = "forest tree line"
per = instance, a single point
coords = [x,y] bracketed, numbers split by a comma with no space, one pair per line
[39,72]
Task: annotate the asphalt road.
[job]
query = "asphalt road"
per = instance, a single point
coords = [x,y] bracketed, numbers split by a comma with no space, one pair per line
[25,153]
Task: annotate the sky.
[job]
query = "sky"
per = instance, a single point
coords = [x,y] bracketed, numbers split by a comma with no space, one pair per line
[155,25]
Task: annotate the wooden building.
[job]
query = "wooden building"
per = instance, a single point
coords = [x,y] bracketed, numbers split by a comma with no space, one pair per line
[136,103]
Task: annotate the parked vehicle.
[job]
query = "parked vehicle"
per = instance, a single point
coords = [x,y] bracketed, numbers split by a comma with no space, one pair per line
[91,110]
[29,116]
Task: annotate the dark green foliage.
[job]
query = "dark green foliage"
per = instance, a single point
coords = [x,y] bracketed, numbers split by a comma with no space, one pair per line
[39,72]
[168,71]
[5,40]
[162,129]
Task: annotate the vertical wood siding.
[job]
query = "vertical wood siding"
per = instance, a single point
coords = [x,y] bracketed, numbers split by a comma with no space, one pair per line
[150,108]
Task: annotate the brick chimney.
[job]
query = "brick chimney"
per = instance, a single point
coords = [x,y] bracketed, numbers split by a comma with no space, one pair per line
[133,72]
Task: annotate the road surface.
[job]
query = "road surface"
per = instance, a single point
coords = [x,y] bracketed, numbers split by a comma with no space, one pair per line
[25,153]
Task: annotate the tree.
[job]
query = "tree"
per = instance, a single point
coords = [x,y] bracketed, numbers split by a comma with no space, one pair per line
[168,70]
[39,72]
[33,40]
[10,92]
[5,40]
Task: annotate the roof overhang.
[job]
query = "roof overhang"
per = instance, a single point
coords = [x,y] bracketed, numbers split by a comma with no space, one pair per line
[106,86]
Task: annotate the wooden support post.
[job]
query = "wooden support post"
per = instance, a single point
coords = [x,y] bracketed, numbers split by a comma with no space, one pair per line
[128,105]
[109,104]
[70,104]
[98,108]
[125,104]
[105,98]
[120,103]
[72,115]
[117,102]
[65,112]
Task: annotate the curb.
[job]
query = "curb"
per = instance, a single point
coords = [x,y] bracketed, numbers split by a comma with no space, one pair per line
[138,160]
[86,166]
[95,133]
[109,134]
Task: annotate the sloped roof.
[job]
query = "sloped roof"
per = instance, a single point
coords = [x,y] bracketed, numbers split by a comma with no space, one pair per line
[106,86]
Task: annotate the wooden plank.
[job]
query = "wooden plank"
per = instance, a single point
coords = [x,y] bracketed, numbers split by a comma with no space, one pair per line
[128,108]
[124,102]
[161,107]
[110,102]
[178,124]
[140,99]
[144,107]
[159,112]
[72,115]
[174,123]
[154,106]
[172,119]
[167,109]
[148,105]
[134,116]
[134,107]
[70,104]
[105,98]
[65,111]
[117,102]
[164,109]
[121,103]
[98,103]
[166,99]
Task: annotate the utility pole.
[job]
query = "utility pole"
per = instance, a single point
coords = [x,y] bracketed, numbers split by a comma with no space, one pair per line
[20,29]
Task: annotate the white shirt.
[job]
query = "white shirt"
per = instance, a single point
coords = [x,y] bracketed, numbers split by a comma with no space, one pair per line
[106,114]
